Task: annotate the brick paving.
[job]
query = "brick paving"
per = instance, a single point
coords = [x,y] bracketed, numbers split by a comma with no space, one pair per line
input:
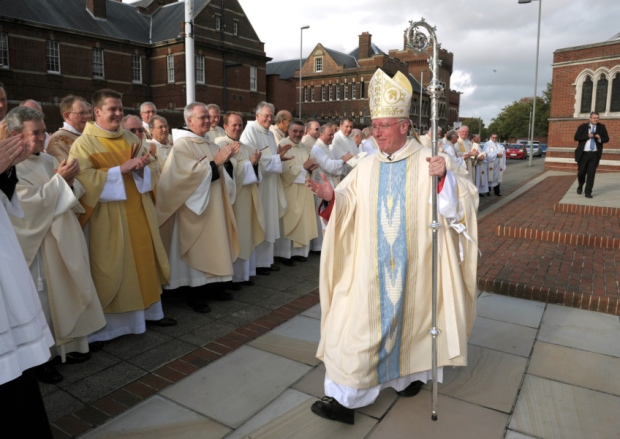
[535,248]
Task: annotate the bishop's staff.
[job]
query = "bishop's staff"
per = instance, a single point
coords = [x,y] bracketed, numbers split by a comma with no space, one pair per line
[418,42]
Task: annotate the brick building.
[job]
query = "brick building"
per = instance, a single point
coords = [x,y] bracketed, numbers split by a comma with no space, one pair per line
[334,84]
[50,48]
[585,79]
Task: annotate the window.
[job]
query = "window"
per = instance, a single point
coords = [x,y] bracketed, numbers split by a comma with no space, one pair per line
[318,64]
[353,91]
[53,56]
[322,92]
[601,94]
[337,91]
[330,92]
[236,27]
[586,95]
[218,22]
[200,69]
[98,63]
[170,63]
[615,94]
[312,93]
[361,90]
[305,94]
[4,51]
[253,78]
[136,68]
[346,92]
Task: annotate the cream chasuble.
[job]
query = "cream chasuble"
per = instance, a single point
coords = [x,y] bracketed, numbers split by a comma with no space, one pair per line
[299,220]
[215,133]
[128,261]
[375,282]
[195,213]
[55,249]
[247,208]
[60,144]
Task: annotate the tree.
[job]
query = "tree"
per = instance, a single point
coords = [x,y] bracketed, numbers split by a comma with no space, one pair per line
[514,120]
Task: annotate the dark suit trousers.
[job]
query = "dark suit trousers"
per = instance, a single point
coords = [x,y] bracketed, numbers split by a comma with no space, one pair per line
[586,168]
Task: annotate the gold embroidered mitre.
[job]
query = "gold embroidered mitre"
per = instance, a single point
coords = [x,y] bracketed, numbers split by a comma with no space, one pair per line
[389,97]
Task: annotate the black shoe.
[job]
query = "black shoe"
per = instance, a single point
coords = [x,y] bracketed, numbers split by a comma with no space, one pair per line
[264,271]
[233,286]
[47,373]
[300,258]
[248,283]
[223,296]
[284,261]
[95,346]
[165,322]
[77,357]
[579,190]
[588,195]
[411,390]
[331,409]
[274,268]
[200,307]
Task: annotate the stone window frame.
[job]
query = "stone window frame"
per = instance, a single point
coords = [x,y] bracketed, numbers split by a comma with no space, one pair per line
[136,69]
[170,68]
[53,56]
[595,75]
[318,64]
[253,78]
[200,69]
[4,50]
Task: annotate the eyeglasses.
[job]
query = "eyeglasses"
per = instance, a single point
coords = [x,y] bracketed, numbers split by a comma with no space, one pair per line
[207,117]
[266,116]
[136,130]
[81,113]
[385,127]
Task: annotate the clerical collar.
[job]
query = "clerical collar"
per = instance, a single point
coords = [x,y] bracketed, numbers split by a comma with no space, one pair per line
[234,140]
[67,127]
[107,131]
[391,157]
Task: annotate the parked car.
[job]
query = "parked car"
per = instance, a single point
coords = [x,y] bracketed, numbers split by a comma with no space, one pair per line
[515,151]
[537,152]
[543,148]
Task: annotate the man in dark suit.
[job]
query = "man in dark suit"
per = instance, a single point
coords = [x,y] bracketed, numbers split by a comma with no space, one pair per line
[591,136]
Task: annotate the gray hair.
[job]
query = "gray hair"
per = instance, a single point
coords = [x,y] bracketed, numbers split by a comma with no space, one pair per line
[450,134]
[213,107]
[264,104]
[147,104]
[367,132]
[309,124]
[162,119]
[17,116]
[130,116]
[189,110]
[324,127]
[282,115]
[356,132]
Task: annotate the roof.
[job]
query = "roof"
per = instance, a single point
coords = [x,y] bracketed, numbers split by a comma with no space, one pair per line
[415,84]
[373,48]
[123,21]
[342,59]
[286,69]
[615,37]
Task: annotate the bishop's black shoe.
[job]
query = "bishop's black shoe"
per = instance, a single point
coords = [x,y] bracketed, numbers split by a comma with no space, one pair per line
[331,409]
[411,390]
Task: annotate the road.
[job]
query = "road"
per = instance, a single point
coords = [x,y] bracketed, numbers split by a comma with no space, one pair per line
[516,174]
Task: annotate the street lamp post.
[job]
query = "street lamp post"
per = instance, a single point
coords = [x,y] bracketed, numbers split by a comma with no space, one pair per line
[421,94]
[301,47]
[533,122]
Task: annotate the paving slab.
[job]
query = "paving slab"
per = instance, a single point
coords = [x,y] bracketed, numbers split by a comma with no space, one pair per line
[246,379]
[94,387]
[549,409]
[502,336]
[510,309]
[586,330]
[577,367]
[411,418]
[158,418]
[314,312]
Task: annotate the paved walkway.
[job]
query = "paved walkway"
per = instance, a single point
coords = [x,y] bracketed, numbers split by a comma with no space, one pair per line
[247,370]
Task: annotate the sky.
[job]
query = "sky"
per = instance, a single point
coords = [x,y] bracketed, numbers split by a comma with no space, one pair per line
[493,41]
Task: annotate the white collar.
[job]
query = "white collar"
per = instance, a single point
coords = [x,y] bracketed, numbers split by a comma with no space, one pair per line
[67,127]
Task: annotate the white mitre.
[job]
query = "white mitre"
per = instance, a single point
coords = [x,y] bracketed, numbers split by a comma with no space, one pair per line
[389,97]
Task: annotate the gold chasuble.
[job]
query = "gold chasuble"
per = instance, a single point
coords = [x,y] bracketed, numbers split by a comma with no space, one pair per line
[128,261]
[299,219]
[376,267]
[247,207]
[207,241]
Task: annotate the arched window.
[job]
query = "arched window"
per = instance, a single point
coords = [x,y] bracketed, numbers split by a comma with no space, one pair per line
[601,94]
[586,95]
[615,94]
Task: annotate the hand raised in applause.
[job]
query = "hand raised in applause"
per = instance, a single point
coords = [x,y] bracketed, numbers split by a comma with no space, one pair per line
[310,164]
[135,164]
[68,171]
[348,156]
[225,153]
[12,151]
[323,190]
[282,150]
[255,157]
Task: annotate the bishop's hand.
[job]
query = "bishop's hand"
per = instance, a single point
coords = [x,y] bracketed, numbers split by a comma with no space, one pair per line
[323,190]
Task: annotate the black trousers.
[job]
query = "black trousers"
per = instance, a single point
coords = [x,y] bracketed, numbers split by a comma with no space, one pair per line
[22,412]
[586,169]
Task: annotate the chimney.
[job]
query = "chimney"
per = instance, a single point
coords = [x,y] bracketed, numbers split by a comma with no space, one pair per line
[97,8]
[365,50]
